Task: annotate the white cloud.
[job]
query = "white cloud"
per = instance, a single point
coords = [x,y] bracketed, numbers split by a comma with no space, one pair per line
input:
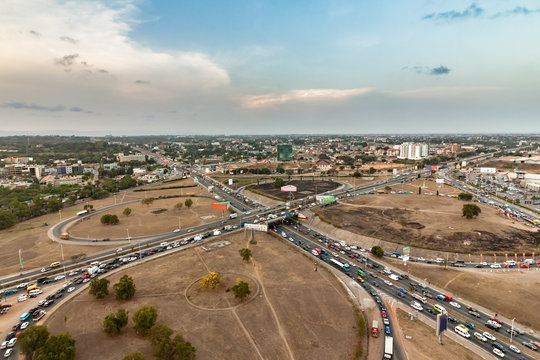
[301,96]
[442,92]
[51,50]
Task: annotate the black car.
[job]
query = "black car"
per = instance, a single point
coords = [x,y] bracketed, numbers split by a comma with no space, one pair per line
[50,297]
[498,345]
[492,327]
[15,327]
[12,335]
[452,319]
[474,313]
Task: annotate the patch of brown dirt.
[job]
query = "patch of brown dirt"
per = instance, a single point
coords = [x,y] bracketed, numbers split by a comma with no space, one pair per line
[304,188]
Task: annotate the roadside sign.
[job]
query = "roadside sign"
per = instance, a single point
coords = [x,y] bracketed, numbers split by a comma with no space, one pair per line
[230,182]
[195,180]
[442,323]
[406,253]
[220,206]
[257,227]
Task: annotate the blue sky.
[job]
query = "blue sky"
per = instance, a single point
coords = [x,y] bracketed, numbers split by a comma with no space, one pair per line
[207,67]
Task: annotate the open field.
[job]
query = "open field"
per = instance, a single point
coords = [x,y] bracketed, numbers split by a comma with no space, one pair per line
[510,294]
[297,311]
[305,188]
[39,250]
[510,166]
[424,344]
[429,222]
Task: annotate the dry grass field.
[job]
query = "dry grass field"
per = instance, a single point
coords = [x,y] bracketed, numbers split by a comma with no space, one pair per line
[39,250]
[305,188]
[510,294]
[297,313]
[430,222]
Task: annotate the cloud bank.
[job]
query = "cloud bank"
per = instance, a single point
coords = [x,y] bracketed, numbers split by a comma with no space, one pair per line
[302,96]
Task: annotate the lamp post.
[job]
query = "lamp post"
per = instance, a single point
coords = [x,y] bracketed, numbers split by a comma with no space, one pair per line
[512,331]
[129,238]
[62,250]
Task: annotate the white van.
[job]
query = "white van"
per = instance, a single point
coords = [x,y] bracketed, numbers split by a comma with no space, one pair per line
[35,292]
[461,331]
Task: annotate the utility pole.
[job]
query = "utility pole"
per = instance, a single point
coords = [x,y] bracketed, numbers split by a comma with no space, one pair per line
[129,239]
[60,212]
[512,331]
[179,222]
[62,250]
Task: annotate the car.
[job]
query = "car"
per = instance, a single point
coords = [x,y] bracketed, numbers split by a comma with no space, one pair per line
[480,337]
[12,342]
[496,320]
[530,345]
[383,314]
[452,319]
[59,277]
[8,353]
[498,345]
[3,345]
[376,284]
[416,305]
[441,297]
[71,289]
[24,325]
[389,283]
[439,308]
[498,352]
[431,311]
[386,321]
[22,298]
[387,330]
[512,332]
[428,294]
[495,266]
[455,304]
[514,349]
[489,336]
[474,313]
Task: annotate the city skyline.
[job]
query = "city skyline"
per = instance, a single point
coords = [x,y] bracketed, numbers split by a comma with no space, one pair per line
[142,67]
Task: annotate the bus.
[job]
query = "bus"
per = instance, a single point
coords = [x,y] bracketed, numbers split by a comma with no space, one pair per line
[361,273]
[342,265]
[388,347]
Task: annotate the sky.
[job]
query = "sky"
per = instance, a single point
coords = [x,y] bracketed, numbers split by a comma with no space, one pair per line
[182,67]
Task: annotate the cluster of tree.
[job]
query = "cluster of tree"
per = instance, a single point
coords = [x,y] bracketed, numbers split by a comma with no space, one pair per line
[211,281]
[347,160]
[471,210]
[124,289]
[245,170]
[36,343]
[113,323]
[112,185]
[110,219]
[377,251]
[170,349]
[465,196]
[241,289]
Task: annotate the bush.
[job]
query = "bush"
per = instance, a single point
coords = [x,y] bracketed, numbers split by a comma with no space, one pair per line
[134,356]
[241,289]
[377,251]
[471,210]
[99,288]
[126,212]
[188,203]
[465,196]
[125,288]
[144,319]
[113,323]
[110,219]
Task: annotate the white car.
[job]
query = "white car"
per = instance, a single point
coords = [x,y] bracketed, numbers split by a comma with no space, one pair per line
[41,302]
[24,325]
[416,305]
[389,283]
[489,336]
[498,352]
[176,230]
[514,349]
[71,289]
[164,244]
[4,345]
[495,266]
[73,272]
[455,304]
[386,321]
[119,250]
[480,337]
[59,277]
[334,254]
[8,353]
[22,298]
[291,239]
[12,342]
[21,285]
[217,232]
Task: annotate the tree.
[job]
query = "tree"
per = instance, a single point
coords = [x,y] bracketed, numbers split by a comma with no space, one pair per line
[471,210]
[465,196]
[175,349]
[57,347]
[357,174]
[387,188]
[125,288]
[179,205]
[419,190]
[32,339]
[147,201]
[159,332]
[372,170]
[113,323]
[99,288]
[211,281]
[245,254]
[241,289]
[377,251]
[126,212]
[188,203]
[278,182]
[144,319]
[110,219]
[134,356]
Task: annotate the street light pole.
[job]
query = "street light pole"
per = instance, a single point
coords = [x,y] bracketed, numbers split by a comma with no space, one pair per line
[60,212]
[129,239]
[512,331]
[62,249]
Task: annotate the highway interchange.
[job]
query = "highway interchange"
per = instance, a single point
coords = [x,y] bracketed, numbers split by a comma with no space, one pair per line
[248,213]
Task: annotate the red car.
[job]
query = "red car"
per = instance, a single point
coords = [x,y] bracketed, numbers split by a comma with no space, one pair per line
[383,313]
[447,297]
[496,320]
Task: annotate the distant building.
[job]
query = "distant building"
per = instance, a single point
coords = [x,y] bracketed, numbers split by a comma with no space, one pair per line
[413,151]
[284,152]
[131,157]
[324,164]
[58,181]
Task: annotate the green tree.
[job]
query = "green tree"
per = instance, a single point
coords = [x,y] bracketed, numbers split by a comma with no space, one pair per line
[419,190]
[110,219]
[188,203]
[465,196]
[179,205]
[470,210]
[245,254]
[113,323]
[175,349]
[125,288]
[357,174]
[372,170]
[126,212]
[147,201]
[144,319]
[278,182]
[377,251]
[57,347]
[159,332]
[99,288]
[134,356]
[241,289]
[32,339]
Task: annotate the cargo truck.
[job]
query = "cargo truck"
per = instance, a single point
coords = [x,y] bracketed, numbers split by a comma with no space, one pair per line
[375,328]
[388,347]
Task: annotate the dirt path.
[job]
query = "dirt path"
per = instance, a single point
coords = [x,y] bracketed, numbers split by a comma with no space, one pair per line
[274,314]
[235,314]
[454,278]
[430,211]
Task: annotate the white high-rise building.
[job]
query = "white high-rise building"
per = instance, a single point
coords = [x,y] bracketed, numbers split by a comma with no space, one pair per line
[413,151]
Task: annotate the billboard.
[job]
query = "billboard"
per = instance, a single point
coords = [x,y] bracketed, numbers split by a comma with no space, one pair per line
[442,324]
[195,180]
[257,227]
[288,188]
[284,152]
[439,181]
[406,253]
[432,167]
[220,206]
[230,182]
[325,199]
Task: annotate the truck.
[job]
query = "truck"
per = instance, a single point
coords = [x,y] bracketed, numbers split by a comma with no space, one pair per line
[64,236]
[232,216]
[375,328]
[388,347]
[93,270]
[84,212]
